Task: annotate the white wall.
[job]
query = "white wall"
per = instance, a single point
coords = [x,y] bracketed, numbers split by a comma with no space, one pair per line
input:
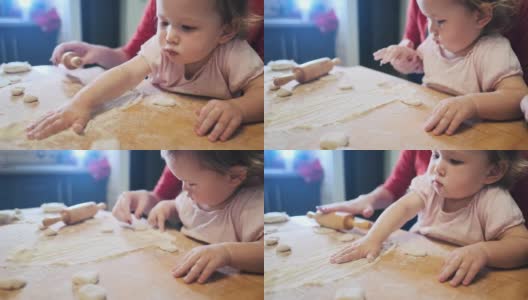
[119,180]
[70,13]
[347,42]
[131,13]
[333,185]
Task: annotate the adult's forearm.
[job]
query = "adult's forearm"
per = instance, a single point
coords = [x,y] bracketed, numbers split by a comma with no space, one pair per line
[109,58]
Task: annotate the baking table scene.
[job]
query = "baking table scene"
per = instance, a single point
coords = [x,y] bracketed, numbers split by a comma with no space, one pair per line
[60,240]
[320,246]
[376,76]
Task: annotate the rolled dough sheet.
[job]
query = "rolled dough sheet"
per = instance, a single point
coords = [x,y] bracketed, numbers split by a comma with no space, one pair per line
[77,244]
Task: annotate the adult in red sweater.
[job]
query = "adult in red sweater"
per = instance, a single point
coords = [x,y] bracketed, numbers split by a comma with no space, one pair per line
[109,58]
[411,163]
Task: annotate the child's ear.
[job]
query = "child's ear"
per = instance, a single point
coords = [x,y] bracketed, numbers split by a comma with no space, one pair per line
[229,32]
[484,15]
[237,175]
[496,172]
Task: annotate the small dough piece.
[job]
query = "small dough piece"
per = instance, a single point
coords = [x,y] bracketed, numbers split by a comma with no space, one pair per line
[12,283]
[30,98]
[414,251]
[85,277]
[168,247]
[345,85]
[275,217]
[165,102]
[273,87]
[284,93]
[15,79]
[52,207]
[355,293]
[107,230]
[50,232]
[139,225]
[333,140]
[16,67]
[270,230]
[412,101]
[17,91]
[347,237]
[271,241]
[283,249]
[92,292]
[282,65]
[322,230]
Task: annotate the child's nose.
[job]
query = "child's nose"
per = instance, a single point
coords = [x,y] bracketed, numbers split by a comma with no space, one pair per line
[172,36]
[439,169]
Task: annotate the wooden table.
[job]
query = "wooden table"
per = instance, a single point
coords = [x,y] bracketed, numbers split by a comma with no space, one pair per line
[142,274]
[394,276]
[391,126]
[140,126]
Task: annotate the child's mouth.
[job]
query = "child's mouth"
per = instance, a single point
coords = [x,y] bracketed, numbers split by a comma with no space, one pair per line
[170,52]
[437,184]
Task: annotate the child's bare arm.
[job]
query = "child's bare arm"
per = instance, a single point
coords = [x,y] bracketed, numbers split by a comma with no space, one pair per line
[395,216]
[252,102]
[502,104]
[510,251]
[247,256]
[390,220]
[78,112]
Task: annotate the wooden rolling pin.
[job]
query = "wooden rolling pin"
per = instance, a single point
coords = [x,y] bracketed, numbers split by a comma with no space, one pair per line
[75,214]
[308,71]
[338,220]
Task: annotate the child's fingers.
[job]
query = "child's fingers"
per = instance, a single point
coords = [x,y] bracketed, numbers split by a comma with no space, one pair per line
[219,127]
[188,262]
[435,118]
[346,257]
[379,54]
[471,273]
[460,274]
[122,210]
[230,130]
[205,111]
[211,119]
[195,271]
[207,272]
[41,119]
[79,125]
[47,126]
[161,222]
[450,266]
[455,123]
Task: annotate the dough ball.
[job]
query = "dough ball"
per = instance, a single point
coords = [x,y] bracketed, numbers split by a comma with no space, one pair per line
[50,232]
[273,87]
[284,93]
[345,85]
[107,230]
[270,230]
[92,292]
[355,293]
[168,247]
[275,217]
[12,283]
[30,98]
[282,65]
[85,277]
[16,67]
[412,102]
[283,249]
[333,140]
[347,237]
[165,102]
[322,230]
[17,91]
[52,207]
[271,241]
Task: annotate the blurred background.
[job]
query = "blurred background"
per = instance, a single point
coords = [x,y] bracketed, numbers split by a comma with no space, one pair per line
[30,29]
[303,30]
[31,178]
[297,181]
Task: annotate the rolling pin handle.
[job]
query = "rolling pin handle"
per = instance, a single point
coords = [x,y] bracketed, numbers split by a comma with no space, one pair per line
[282,80]
[336,61]
[50,221]
[310,215]
[101,206]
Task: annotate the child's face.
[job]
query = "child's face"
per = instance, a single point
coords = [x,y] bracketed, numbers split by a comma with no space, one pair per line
[452,25]
[207,188]
[189,30]
[459,174]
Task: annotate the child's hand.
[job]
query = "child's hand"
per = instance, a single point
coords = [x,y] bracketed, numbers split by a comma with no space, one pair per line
[524,107]
[404,59]
[221,117]
[449,114]
[69,115]
[163,211]
[89,53]
[359,249]
[201,262]
[464,264]
[139,202]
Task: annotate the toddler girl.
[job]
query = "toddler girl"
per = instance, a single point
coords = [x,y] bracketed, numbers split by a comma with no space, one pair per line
[221,204]
[465,56]
[462,199]
[198,50]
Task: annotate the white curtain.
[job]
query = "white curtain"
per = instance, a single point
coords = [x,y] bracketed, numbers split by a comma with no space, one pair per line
[347,42]
[70,13]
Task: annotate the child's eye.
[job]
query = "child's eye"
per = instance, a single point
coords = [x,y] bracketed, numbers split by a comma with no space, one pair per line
[187,28]
[440,22]
[164,23]
[455,162]
[436,155]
